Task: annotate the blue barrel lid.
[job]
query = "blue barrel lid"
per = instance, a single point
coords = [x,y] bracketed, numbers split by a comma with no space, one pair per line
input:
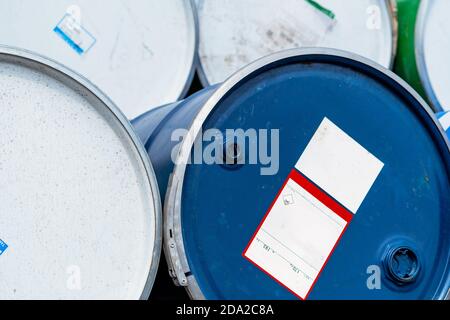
[402,228]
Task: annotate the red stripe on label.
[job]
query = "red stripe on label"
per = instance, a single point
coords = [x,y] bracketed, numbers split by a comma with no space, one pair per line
[332,204]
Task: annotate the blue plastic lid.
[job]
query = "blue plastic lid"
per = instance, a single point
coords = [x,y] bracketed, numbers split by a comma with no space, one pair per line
[403,225]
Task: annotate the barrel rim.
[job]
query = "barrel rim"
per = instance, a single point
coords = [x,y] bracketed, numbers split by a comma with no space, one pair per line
[194,57]
[46,63]
[173,234]
[425,79]
[390,7]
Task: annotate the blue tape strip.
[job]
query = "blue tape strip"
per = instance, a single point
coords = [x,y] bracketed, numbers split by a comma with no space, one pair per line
[67,39]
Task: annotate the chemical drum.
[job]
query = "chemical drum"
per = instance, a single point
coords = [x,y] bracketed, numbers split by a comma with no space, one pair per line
[234,33]
[141,53]
[349,196]
[80,207]
[432,47]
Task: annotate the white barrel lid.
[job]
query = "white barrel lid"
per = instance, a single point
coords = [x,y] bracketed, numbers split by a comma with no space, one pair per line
[80,209]
[432,51]
[141,53]
[234,33]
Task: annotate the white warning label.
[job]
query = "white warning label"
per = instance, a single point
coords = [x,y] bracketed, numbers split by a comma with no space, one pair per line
[313,210]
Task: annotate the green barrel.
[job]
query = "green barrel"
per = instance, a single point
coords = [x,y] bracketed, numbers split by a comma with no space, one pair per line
[405,63]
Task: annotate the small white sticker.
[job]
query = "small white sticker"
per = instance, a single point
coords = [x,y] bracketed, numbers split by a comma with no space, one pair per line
[73,33]
[308,218]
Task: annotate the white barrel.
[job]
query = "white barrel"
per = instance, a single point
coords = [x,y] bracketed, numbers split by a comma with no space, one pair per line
[80,208]
[234,33]
[141,53]
[432,51]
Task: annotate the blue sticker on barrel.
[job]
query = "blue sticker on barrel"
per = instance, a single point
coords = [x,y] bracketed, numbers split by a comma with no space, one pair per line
[74,34]
[3,247]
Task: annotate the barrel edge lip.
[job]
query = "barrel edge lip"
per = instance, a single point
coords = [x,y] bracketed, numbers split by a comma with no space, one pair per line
[45,62]
[395,30]
[194,56]
[419,54]
[172,207]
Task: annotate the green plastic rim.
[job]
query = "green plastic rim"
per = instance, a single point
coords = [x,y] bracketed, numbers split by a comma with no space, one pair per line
[405,63]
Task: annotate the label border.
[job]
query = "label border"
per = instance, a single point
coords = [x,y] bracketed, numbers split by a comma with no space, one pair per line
[321,196]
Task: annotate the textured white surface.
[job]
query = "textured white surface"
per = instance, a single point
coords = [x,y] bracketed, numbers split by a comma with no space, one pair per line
[436,46]
[75,200]
[234,33]
[144,50]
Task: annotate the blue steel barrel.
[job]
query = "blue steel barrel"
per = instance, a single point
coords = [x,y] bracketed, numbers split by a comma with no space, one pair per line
[359,207]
